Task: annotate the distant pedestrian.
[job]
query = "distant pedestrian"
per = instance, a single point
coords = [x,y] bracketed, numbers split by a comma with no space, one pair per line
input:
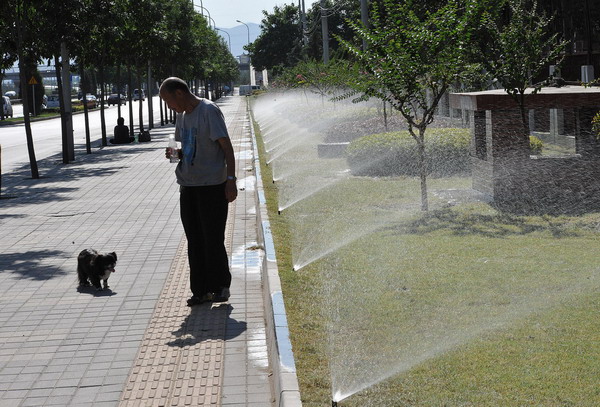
[121,133]
[206,175]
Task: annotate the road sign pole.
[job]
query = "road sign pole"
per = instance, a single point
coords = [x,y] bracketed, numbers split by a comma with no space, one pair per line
[33,82]
[33,93]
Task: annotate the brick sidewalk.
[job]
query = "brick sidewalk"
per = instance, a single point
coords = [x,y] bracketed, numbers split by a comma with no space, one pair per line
[137,344]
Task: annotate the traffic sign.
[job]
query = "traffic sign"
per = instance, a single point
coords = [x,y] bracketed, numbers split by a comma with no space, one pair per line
[32,81]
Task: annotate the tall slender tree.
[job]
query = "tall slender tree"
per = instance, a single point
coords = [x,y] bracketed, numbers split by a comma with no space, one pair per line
[412,58]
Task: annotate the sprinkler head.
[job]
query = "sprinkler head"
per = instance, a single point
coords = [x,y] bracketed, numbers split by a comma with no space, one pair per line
[334,403]
[279,212]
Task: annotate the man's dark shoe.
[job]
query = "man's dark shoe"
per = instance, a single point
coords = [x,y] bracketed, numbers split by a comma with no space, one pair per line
[195,300]
[222,296]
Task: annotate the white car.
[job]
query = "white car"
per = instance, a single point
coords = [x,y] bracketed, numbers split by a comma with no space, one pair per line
[53,101]
[7,107]
[91,100]
[136,94]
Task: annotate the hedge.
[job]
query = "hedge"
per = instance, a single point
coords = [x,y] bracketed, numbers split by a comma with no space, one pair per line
[393,154]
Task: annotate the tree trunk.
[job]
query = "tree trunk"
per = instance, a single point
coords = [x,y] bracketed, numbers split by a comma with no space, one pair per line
[61,103]
[119,90]
[141,103]
[162,121]
[67,106]
[88,142]
[102,117]
[150,107]
[385,119]
[525,121]
[1,93]
[423,170]
[24,97]
[130,99]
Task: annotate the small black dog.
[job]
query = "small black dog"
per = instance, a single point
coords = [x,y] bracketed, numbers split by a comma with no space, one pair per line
[93,267]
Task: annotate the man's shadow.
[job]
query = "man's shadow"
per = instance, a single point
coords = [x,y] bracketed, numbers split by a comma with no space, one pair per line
[206,322]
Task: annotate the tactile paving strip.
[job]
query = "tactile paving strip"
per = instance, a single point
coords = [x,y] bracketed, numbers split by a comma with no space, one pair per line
[180,361]
[181,358]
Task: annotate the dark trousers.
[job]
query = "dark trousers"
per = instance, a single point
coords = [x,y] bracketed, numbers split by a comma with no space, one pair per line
[204,215]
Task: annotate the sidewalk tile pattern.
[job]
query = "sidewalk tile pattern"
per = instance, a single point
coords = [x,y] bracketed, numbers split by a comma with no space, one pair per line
[60,346]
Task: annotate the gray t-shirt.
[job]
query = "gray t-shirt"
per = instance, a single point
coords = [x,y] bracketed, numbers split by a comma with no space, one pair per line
[203,159]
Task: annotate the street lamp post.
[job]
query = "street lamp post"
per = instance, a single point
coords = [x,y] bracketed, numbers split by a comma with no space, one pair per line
[228,36]
[207,12]
[201,5]
[250,69]
[247,28]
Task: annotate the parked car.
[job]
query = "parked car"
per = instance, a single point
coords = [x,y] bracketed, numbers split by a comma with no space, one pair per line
[53,102]
[7,107]
[11,94]
[115,99]
[90,100]
[246,90]
[136,94]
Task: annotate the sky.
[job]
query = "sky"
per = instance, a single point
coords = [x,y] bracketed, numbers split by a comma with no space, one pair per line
[225,12]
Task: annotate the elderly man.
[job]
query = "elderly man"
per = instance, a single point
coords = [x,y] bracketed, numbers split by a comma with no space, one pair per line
[206,175]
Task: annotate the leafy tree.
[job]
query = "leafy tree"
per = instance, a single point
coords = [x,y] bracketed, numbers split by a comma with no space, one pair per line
[24,30]
[59,22]
[338,12]
[8,45]
[318,77]
[519,50]
[412,59]
[278,45]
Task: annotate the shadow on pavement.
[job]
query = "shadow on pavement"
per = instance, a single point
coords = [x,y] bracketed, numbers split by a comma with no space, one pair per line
[96,293]
[205,322]
[31,265]
[22,189]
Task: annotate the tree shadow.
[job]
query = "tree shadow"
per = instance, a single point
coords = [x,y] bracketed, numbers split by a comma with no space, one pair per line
[206,322]
[493,224]
[32,265]
[24,190]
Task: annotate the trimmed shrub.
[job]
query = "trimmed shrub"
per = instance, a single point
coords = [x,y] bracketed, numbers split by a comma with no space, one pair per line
[393,154]
[596,124]
[536,145]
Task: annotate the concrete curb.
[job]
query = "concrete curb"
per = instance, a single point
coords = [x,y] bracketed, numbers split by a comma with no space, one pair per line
[281,356]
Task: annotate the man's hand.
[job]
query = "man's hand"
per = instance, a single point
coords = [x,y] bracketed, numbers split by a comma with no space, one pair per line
[230,190]
[168,153]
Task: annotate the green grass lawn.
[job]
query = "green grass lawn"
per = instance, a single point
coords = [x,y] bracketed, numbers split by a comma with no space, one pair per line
[460,306]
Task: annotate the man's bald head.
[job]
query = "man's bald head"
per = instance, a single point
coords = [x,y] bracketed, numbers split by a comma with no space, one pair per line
[172,84]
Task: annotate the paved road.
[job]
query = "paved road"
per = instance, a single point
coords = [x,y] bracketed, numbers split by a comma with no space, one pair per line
[47,136]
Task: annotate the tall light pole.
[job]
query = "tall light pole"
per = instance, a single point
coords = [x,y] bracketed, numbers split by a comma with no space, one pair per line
[325,32]
[364,17]
[250,69]
[247,28]
[201,5]
[228,36]
[207,12]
